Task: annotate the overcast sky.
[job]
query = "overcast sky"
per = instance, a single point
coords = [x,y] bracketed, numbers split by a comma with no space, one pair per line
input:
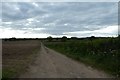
[43,19]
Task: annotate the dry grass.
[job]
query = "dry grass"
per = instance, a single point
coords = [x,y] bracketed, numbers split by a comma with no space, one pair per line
[17,55]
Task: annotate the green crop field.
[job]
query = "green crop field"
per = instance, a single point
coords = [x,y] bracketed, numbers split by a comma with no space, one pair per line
[101,53]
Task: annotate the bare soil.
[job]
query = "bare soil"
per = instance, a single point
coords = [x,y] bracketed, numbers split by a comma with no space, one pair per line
[17,55]
[51,64]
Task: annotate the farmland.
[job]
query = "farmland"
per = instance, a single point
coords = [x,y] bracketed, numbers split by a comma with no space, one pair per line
[68,57]
[17,56]
[101,53]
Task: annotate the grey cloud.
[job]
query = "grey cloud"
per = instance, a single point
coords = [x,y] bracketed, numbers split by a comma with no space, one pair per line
[26,10]
[79,16]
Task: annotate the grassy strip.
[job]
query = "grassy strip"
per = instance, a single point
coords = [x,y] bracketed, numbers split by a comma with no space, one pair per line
[99,53]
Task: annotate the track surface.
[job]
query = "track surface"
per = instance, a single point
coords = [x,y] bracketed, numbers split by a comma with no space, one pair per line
[51,64]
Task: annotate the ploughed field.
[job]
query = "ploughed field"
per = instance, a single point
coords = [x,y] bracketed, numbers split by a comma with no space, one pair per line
[17,56]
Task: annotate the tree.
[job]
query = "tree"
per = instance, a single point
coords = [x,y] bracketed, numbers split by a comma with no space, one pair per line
[12,39]
[73,38]
[92,37]
[119,36]
[64,38]
[49,38]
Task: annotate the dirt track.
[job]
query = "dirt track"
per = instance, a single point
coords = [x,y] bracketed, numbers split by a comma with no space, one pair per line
[51,64]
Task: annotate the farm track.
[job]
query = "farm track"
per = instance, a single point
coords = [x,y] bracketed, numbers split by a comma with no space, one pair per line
[51,64]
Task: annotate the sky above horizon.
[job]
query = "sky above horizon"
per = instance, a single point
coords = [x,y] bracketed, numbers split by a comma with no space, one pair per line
[57,19]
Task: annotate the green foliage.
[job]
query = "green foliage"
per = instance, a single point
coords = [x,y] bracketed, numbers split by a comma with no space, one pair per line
[50,38]
[8,73]
[102,53]
[64,38]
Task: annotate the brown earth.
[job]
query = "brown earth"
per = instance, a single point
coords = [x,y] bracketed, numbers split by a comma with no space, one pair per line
[17,55]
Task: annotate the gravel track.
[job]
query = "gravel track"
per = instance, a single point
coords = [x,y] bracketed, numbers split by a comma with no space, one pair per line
[51,64]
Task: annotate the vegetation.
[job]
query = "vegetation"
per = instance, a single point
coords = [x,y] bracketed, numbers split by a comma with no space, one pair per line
[102,53]
[49,38]
[64,38]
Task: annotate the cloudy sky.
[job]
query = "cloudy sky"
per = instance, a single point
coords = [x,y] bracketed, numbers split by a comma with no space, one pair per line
[56,19]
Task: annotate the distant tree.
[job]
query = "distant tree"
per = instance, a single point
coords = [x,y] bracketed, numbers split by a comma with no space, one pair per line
[73,38]
[12,39]
[49,38]
[64,38]
[36,38]
[92,37]
[6,39]
[119,36]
